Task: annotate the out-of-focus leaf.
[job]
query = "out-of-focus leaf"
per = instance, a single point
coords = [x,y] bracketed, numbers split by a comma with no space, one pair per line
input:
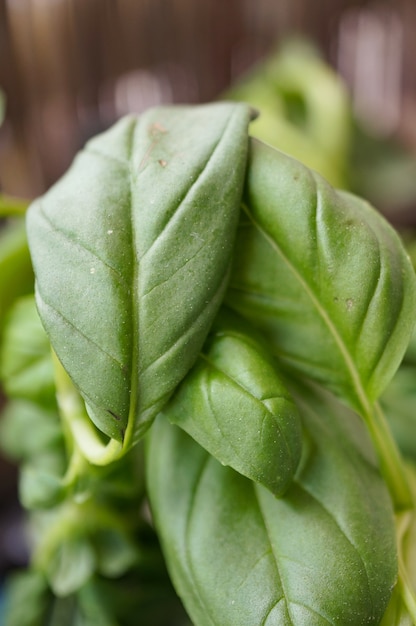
[115,552]
[27,430]
[16,274]
[71,566]
[27,599]
[399,402]
[26,367]
[304,108]
[40,484]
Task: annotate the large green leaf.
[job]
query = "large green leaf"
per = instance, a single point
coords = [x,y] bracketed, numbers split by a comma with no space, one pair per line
[132,250]
[235,404]
[322,554]
[324,276]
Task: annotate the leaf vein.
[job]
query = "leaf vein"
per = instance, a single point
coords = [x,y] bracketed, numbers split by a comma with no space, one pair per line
[82,246]
[78,330]
[357,383]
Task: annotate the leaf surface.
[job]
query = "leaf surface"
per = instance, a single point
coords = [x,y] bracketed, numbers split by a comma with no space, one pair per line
[132,250]
[324,276]
[322,554]
[235,404]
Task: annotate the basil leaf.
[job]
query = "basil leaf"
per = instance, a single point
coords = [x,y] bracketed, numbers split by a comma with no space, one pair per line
[326,279]
[40,484]
[71,566]
[16,275]
[115,552]
[131,251]
[27,599]
[26,367]
[27,430]
[323,553]
[234,404]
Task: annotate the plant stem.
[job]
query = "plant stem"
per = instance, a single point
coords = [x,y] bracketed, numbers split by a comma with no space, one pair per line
[403,521]
[82,439]
[394,472]
[391,463]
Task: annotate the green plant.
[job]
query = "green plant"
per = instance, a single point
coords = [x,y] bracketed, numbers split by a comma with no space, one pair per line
[223,325]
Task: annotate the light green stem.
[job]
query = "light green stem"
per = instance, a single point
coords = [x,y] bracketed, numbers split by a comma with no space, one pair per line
[391,463]
[81,432]
[394,472]
[403,521]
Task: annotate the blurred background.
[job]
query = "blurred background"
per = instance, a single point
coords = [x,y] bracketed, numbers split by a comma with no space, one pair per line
[335,81]
[69,68]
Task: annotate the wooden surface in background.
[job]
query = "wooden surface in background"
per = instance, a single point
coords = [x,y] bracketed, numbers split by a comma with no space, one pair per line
[71,67]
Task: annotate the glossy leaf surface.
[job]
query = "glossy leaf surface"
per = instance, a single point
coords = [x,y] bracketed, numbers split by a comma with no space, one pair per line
[322,554]
[234,403]
[324,276]
[132,251]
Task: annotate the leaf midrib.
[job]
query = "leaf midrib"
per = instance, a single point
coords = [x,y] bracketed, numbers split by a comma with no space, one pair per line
[355,378]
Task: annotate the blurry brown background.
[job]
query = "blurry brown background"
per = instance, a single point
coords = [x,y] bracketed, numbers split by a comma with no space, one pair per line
[69,68]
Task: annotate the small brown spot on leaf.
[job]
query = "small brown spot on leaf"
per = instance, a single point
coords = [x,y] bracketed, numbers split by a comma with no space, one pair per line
[113,415]
[157,128]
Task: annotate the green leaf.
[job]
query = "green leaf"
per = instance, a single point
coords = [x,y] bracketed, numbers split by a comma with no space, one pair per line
[27,430]
[131,251]
[305,108]
[235,405]
[26,367]
[115,552]
[326,279]
[398,402]
[16,275]
[71,566]
[323,553]
[40,487]
[27,599]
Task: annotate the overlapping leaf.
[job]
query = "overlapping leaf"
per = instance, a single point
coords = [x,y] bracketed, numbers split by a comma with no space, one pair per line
[132,250]
[323,554]
[324,276]
[235,404]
